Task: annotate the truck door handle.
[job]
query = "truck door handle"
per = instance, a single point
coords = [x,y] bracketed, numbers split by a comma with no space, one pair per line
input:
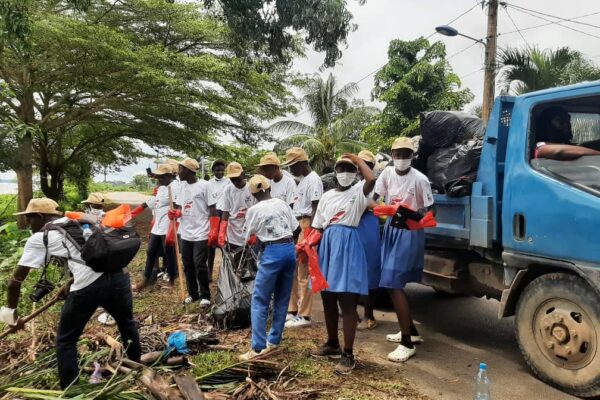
[519,231]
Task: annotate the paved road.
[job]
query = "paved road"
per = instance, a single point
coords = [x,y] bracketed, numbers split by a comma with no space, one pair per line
[125,197]
[459,333]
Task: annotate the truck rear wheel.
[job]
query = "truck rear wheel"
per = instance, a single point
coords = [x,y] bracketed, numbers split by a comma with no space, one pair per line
[558,330]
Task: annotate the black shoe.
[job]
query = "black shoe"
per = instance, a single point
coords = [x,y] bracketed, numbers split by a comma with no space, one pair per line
[346,364]
[327,350]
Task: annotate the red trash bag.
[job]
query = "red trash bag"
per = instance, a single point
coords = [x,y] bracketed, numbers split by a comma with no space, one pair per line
[117,218]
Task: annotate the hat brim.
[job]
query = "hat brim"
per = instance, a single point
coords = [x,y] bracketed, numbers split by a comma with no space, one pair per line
[345,161]
[291,162]
[93,202]
[186,167]
[267,164]
[234,175]
[37,212]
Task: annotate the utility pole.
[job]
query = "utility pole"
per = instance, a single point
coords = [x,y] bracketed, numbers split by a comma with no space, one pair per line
[489,80]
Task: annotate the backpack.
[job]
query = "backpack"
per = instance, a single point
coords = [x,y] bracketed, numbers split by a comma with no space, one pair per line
[106,250]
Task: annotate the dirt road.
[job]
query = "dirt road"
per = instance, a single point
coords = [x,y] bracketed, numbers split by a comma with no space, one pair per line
[459,333]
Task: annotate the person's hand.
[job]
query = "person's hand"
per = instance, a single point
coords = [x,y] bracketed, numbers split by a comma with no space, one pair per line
[222,241]
[137,211]
[174,214]
[252,240]
[213,233]
[353,157]
[9,316]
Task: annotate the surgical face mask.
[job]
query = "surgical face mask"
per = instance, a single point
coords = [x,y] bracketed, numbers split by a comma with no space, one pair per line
[402,164]
[95,211]
[345,179]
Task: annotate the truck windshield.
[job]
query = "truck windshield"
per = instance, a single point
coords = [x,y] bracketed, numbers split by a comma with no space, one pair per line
[583,173]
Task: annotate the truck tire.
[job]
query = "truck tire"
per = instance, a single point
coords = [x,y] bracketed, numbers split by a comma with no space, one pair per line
[558,330]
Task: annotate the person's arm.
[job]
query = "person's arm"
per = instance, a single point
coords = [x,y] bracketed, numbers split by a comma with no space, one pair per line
[13,292]
[564,152]
[594,144]
[212,210]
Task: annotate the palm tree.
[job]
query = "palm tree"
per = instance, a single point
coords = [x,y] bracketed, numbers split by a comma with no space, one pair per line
[336,122]
[531,69]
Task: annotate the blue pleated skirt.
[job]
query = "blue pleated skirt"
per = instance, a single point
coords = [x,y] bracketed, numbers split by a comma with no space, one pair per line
[402,256]
[342,259]
[368,232]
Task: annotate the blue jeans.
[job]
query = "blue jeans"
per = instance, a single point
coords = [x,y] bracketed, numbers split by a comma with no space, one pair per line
[274,278]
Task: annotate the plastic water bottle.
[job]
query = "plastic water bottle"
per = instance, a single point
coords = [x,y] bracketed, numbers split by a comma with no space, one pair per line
[482,384]
[87,232]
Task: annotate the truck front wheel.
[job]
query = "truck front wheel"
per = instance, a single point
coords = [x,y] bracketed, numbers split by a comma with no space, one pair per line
[558,330]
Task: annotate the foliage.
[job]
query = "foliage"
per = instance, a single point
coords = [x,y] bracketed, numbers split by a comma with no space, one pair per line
[416,78]
[337,122]
[12,240]
[8,206]
[141,183]
[531,69]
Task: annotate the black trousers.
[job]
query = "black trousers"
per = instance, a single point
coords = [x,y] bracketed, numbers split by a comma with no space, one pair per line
[195,258]
[111,292]
[157,248]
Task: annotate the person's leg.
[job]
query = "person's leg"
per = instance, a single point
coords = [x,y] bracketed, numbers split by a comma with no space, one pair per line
[348,302]
[189,268]
[402,308]
[117,301]
[294,299]
[211,262]
[283,286]
[203,275]
[303,278]
[153,250]
[171,263]
[76,312]
[264,285]
[368,306]
[330,309]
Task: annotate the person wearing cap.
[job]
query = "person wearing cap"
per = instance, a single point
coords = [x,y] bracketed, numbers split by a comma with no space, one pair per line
[234,203]
[157,247]
[306,198]
[191,209]
[403,250]
[94,204]
[271,220]
[341,255]
[88,291]
[217,187]
[282,186]
[368,231]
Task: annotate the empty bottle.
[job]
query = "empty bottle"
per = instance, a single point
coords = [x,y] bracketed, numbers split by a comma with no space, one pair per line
[87,232]
[482,384]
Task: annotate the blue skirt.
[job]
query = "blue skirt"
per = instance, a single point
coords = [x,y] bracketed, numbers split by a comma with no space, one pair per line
[402,256]
[342,259]
[368,231]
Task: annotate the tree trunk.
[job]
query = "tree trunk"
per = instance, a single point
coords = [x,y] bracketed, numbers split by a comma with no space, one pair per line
[24,178]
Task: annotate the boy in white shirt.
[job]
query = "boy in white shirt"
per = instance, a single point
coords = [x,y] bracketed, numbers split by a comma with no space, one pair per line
[217,185]
[272,222]
[282,186]
[192,211]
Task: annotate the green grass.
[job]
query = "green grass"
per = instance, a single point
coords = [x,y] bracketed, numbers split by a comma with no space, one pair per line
[212,361]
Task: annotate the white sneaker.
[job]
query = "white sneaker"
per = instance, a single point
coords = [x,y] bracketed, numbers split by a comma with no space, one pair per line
[289,317]
[166,277]
[106,319]
[397,338]
[250,355]
[204,303]
[298,322]
[401,354]
[188,300]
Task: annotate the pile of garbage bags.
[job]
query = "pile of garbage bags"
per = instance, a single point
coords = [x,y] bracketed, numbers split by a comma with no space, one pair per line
[449,150]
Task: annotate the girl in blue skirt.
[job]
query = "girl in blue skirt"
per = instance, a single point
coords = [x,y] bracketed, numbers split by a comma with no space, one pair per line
[403,251]
[341,255]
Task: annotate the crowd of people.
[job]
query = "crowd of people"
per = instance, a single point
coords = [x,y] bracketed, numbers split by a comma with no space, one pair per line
[280,210]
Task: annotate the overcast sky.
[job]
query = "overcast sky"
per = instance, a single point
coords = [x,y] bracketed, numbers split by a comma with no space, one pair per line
[380,21]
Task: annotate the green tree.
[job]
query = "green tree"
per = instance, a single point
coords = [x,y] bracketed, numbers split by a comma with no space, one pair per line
[337,122]
[416,78]
[531,69]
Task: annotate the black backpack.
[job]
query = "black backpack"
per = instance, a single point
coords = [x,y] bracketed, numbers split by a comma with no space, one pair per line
[106,250]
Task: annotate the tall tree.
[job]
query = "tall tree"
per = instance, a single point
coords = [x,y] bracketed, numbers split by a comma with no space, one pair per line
[531,69]
[416,78]
[336,121]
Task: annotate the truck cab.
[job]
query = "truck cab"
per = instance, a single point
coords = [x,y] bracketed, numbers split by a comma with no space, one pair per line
[527,236]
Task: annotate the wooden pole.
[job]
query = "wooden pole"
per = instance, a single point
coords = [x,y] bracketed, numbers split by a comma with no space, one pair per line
[489,79]
[179,266]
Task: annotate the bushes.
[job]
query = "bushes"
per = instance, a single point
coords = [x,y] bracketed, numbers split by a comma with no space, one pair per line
[8,206]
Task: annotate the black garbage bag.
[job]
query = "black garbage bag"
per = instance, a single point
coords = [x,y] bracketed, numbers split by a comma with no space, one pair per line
[460,187]
[454,167]
[465,161]
[234,289]
[446,128]
[437,167]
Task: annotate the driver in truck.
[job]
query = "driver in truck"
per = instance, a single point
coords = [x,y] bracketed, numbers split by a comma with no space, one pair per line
[554,136]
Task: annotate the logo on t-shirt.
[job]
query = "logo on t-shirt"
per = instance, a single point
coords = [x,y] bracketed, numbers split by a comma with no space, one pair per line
[241,213]
[337,217]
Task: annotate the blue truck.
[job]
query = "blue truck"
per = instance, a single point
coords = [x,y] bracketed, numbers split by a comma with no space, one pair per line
[529,236]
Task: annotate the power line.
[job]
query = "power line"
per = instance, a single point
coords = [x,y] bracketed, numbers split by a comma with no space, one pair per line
[461,51]
[470,73]
[515,25]
[553,16]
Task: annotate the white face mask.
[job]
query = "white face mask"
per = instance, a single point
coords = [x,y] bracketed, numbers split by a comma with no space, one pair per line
[402,164]
[94,211]
[345,179]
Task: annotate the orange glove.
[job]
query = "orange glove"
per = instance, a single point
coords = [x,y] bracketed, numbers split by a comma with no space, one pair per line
[213,234]
[173,214]
[137,211]
[252,240]
[222,240]
[385,210]
[313,238]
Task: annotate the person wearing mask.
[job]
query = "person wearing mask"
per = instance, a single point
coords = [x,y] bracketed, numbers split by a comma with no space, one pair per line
[157,246]
[88,291]
[341,255]
[308,193]
[403,250]
[272,222]
[282,186]
[192,211]
[234,203]
[368,231]
[94,205]
[216,189]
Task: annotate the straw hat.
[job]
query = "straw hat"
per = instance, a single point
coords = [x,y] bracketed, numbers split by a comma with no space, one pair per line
[259,183]
[190,164]
[269,159]
[94,198]
[173,165]
[343,160]
[163,169]
[41,206]
[233,170]
[294,155]
[403,143]
[367,156]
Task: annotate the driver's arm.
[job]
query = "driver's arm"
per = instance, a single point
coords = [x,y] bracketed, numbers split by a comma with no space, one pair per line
[564,152]
[594,144]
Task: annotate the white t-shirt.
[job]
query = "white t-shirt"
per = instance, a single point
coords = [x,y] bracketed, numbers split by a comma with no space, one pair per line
[34,256]
[216,190]
[343,208]
[160,206]
[193,198]
[236,202]
[412,189]
[284,189]
[309,189]
[270,220]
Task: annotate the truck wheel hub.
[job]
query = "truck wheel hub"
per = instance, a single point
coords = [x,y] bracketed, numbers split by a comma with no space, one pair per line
[564,333]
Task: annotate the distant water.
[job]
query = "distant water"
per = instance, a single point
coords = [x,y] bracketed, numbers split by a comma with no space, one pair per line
[8,188]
